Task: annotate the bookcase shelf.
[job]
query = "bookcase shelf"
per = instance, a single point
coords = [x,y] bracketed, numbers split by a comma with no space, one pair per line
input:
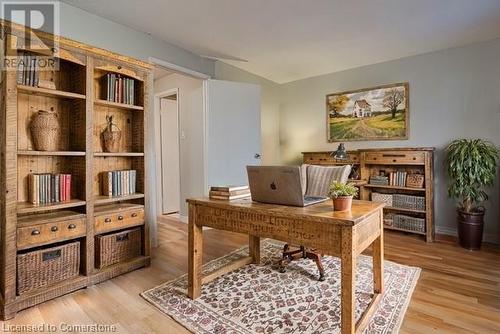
[77,101]
[394,187]
[106,199]
[392,208]
[118,105]
[119,154]
[27,207]
[49,92]
[52,153]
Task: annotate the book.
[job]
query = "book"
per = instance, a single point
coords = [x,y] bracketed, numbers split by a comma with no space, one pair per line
[229,188]
[230,198]
[230,193]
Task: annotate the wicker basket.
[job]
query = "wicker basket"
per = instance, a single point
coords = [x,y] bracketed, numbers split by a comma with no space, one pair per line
[41,268]
[415,181]
[408,202]
[388,219]
[117,247]
[384,198]
[111,136]
[409,223]
[45,131]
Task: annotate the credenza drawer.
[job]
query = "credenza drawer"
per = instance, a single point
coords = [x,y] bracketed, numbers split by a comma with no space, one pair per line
[116,220]
[394,158]
[41,234]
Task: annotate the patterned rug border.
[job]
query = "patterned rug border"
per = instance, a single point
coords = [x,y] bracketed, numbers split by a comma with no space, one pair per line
[144,294]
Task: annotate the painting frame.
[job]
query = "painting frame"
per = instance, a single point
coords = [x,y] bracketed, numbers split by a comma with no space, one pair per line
[403,136]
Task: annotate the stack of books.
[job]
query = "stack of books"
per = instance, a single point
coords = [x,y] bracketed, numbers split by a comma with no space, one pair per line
[49,188]
[27,70]
[118,88]
[119,182]
[379,180]
[397,179]
[229,192]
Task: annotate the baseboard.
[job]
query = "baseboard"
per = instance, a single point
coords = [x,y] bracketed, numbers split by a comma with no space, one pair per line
[487,237]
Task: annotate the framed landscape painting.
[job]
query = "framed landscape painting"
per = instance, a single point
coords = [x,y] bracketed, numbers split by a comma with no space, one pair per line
[378,113]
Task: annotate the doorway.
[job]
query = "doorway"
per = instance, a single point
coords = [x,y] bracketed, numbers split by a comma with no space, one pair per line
[170,152]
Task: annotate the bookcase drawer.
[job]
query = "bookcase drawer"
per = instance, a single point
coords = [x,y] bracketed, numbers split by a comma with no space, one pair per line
[117,220]
[41,234]
[395,158]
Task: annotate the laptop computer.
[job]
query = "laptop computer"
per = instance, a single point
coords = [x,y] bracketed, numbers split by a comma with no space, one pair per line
[279,185]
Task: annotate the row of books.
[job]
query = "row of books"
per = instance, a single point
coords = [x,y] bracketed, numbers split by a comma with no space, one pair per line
[119,182]
[229,192]
[49,188]
[118,88]
[397,179]
[27,70]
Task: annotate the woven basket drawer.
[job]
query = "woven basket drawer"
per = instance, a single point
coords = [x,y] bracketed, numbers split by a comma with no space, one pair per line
[118,247]
[409,223]
[384,198]
[409,202]
[44,267]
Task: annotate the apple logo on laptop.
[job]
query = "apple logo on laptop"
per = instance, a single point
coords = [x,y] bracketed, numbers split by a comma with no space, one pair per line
[273,186]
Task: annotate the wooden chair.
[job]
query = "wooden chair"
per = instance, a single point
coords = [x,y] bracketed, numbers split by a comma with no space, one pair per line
[315,182]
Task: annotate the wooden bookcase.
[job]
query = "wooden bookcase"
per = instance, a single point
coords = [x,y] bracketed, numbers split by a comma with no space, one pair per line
[369,162]
[81,111]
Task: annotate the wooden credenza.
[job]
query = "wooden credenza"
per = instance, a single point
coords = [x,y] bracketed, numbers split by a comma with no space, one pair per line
[371,162]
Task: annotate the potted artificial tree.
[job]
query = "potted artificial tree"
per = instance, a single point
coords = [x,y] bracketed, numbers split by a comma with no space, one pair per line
[342,194]
[471,165]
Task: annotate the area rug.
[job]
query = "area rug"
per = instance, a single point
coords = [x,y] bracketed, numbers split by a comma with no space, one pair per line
[259,299]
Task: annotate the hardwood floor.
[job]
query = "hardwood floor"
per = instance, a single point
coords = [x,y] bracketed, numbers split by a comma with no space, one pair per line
[458,290]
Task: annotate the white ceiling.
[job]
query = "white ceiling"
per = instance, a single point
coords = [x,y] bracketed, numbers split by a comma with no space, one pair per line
[286,40]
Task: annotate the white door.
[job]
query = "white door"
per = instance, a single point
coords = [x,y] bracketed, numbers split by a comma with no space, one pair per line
[170,171]
[232,131]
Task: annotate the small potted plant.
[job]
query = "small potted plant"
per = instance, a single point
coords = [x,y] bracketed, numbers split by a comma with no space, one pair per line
[342,194]
[471,166]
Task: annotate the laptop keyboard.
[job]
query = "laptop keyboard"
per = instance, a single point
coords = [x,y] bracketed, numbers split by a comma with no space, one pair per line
[313,198]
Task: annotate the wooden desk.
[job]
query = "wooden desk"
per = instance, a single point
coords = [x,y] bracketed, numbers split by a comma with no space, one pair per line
[342,234]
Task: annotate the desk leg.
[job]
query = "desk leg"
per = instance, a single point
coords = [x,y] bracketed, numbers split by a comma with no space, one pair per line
[254,248]
[378,260]
[348,282]
[195,254]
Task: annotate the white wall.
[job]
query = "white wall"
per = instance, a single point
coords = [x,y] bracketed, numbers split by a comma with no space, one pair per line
[190,101]
[270,150]
[454,93]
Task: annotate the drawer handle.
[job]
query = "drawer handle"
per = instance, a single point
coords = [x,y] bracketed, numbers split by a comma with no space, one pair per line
[35,232]
[54,229]
[134,214]
[120,217]
[71,226]
[51,255]
[54,50]
[414,158]
[119,67]
[123,237]
[394,160]
[107,220]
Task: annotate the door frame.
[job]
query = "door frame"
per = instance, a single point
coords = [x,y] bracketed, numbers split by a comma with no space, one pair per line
[158,148]
[156,124]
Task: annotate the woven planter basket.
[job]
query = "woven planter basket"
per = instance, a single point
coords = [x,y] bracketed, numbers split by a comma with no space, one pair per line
[45,131]
[111,136]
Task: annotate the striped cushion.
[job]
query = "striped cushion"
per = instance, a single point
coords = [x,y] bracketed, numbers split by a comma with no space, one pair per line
[320,177]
